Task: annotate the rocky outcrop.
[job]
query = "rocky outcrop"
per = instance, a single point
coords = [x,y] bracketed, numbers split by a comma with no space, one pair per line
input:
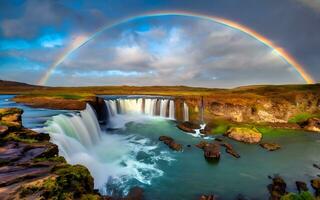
[230,150]
[211,151]
[301,186]
[315,183]
[242,134]
[312,124]
[171,143]
[278,188]
[188,127]
[270,146]
[30,167]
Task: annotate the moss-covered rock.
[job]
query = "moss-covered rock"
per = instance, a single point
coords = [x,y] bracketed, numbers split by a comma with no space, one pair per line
[244,134]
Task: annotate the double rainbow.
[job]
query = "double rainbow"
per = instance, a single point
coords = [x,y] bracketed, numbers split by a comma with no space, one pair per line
[82,40]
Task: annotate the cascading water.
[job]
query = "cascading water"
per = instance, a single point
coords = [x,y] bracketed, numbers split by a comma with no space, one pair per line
[185,112]
[112,159]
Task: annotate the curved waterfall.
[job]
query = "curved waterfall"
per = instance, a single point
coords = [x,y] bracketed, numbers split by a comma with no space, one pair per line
[146,106]
[112,159]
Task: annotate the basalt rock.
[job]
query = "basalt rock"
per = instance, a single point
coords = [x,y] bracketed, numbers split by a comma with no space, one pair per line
[211,151]
[278,188]
[171,143]
[246,135]
[301,186]
[270,146]
[188,127]
[230,150]
[315,183]
[3,130]
[312,124]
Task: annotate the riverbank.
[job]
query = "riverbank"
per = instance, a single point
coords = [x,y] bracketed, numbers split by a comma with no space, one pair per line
[282,106]
[30,167]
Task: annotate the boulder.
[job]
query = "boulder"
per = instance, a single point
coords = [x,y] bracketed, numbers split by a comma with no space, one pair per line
[278,188]
[171,143]
[242,134]
[188,127]
[301,186]
[312,124]
[211,151]
[270,146]
[315,183]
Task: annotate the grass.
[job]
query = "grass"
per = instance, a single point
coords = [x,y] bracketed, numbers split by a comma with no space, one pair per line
[302,117]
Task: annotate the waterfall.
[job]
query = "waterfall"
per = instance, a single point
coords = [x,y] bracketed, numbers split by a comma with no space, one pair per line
[83,127]
[143,106]
[171,110]
[185,112]
[112,159]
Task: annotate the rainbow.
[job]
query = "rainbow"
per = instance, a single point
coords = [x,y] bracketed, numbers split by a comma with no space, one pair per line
[82,40]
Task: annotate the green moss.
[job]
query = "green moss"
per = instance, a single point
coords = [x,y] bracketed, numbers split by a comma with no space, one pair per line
[9,111]
[220,129]
[13,136]
[300,196]
[58,159]
[70,96]
[90,197]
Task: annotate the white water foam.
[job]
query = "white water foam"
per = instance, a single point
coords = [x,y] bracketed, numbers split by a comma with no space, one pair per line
[113,160]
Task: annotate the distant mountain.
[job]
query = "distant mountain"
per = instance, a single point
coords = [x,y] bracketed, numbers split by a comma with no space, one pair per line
[4,83]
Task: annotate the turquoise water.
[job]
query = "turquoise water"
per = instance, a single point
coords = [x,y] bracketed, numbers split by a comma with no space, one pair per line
[187,175]
[32,117]
[190,175]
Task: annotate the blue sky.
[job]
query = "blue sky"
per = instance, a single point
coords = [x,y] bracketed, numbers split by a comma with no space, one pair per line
[167,50]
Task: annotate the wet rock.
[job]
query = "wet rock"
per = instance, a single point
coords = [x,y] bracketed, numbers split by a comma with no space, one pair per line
[301,186]
[171,143]
[230,150]
[270,146]
[211,151]
[278,188]
[218,139]
[188,127]
[207,130]
[312,124]
[315,183]
[189,145]
[207,197]
[242,134]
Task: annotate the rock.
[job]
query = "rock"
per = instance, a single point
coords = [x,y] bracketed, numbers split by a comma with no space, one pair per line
[242,134]
[3,130]
[135,193]
[301,186]
[315,183]
[278,188]
[202,144]
[270,146]
[230,150]
[218,139]
[211,151]
[316,166]
[11,117]
[188,127]
[189,145]
[312,124]
[206,130]
[171,143]
[207,197]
